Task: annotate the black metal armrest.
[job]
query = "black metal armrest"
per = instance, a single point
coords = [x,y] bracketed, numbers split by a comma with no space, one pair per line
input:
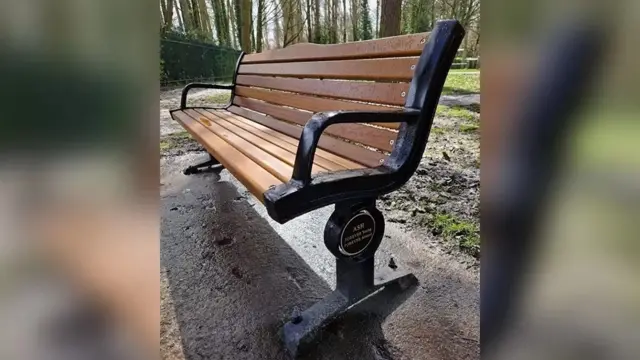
[304,192]
[185,91]
[320,121]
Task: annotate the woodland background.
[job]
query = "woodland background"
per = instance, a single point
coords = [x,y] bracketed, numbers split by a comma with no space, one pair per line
[201,39]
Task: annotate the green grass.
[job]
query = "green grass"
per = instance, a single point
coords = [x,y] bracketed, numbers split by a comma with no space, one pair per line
[469,128]
[437,130]
[465,233]
[461,84]
[464,70]
[173,140]
[456,112]
[219,99]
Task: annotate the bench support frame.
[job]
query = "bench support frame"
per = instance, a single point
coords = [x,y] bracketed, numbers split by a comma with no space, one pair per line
[194,169]
[355,280]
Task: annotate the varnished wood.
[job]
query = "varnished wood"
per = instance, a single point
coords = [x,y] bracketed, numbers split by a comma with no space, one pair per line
[284,150]
[382,93]
[353,152]
[396,46]
[367,135]
[253,176]
[393,69]
[275,166]
[310,103]
[341,161]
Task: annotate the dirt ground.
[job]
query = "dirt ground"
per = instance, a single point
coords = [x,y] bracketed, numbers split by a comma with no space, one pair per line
[231,276]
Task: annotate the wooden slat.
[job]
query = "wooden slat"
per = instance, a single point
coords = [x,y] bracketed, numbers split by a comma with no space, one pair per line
[284,151]
[371,136]
[396,46]
[382,93]
[275,166]
[254,177]
[322,158]
[310,103]
[345,163]
[394,69]
[350,151]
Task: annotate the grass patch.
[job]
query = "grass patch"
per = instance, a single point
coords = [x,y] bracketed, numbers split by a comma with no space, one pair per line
[174,140]
[464,71]
[465,233]
[219,99]
[461,84]
[456,112]
[437,130]
[469,128]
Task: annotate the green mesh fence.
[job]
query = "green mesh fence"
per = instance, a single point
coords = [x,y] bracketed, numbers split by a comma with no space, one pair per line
[184,60]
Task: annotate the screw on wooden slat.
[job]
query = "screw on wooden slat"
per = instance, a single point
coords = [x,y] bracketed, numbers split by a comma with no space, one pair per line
[403,94]
[422,40]
[391,142]
[413,67]
[381,161]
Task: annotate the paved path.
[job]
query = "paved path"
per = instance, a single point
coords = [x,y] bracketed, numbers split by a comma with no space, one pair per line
[232,276]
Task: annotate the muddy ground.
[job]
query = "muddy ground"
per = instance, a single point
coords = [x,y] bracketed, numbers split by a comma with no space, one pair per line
[232,276]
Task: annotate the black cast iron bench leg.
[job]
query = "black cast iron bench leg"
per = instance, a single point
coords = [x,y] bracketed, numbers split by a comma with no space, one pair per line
[204,165]
[355,282]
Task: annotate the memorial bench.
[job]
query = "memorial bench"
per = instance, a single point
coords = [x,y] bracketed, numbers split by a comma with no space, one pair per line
[313,125]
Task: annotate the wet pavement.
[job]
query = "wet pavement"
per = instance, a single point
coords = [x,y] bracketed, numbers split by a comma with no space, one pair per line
[232,277]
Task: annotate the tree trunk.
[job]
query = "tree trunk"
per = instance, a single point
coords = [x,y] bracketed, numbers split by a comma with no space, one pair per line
[217,21]
[231,23]
[225,20]
[334,21]
[259,25]
[287,20]
[167,13]
[204,19]
[177,11]
[390,18]
[278,31]
[245,25]
[195,16]
[187,18]
[377,27]
[354,20]
[316,22]
[309,29]
[344,21]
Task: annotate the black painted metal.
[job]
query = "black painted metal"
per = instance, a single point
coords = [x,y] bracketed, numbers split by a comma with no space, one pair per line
[340,217]
[304,193]
[354,280]
[206,164]
[185,91]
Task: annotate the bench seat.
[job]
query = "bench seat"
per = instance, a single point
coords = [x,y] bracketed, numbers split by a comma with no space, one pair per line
[258,156]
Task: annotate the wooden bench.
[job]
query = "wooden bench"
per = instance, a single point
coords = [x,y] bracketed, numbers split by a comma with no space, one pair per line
[314,125]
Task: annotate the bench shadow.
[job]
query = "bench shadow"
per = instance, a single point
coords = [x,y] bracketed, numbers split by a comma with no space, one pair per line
[233,282]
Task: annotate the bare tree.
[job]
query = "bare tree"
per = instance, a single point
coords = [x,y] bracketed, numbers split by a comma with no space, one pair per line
[355,30]
[316,22]
[259,25]
[390,18]
[309,28]
[344,21]
[187,17]
[167,7]
[205,23]
[245,26]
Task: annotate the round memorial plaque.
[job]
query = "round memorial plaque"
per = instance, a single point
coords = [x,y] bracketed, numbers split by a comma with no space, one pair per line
[357,234]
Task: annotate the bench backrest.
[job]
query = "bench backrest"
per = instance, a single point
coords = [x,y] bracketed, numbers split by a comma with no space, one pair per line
[283,88]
